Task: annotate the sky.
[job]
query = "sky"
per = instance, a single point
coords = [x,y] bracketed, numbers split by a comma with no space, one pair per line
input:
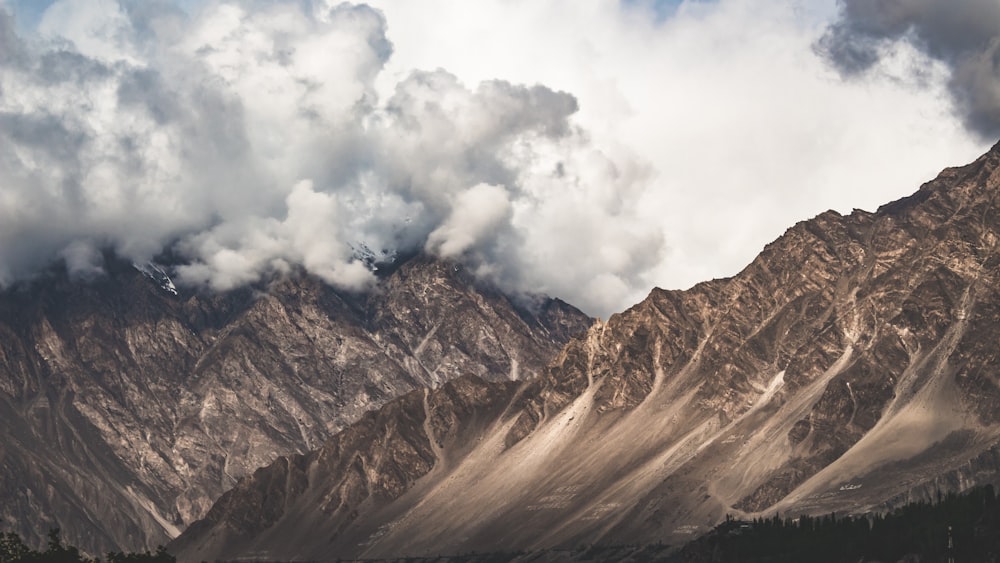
[584,149]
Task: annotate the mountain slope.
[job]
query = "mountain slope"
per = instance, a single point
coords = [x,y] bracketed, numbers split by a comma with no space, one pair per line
[127,409]
[852,365]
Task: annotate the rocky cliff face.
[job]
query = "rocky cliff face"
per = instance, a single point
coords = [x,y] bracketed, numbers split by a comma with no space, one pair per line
[852,365]
[127,409]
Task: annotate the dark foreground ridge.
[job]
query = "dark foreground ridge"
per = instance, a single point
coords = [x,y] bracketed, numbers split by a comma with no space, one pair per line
[852,367]
[964,527]
[14,550]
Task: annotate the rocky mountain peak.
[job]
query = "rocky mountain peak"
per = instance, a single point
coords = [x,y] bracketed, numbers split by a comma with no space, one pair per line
[128,409]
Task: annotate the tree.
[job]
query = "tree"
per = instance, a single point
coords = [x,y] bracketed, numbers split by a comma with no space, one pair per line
[14,550]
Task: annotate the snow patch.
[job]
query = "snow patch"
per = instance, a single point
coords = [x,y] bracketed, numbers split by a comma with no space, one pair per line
[158,275]
[371,259]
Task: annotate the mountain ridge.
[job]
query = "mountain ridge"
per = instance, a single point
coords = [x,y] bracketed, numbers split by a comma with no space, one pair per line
[128,409]
[848,365]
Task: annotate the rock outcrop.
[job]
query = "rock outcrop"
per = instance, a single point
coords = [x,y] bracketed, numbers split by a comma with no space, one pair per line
[852,365]
[128,408]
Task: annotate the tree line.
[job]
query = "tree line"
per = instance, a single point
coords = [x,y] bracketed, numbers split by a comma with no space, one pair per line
[963,528]
[14,550]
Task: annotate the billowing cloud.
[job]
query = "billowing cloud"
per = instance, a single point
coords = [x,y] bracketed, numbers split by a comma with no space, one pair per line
[237,252]
[581,148]
[476,214]
[717,121]
[963,34]
[249,138]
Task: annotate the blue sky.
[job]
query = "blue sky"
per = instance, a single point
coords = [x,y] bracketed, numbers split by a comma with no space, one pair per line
[663,8]
[29,12]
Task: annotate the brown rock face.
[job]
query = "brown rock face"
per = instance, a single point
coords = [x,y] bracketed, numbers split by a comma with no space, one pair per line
[127,410]
[851,366]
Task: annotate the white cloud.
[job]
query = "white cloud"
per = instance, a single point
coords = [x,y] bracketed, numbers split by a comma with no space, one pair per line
[238,252]
[745,129]
[586,149]
[475,214]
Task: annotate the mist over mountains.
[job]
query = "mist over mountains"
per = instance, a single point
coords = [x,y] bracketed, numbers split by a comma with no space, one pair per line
[250,140]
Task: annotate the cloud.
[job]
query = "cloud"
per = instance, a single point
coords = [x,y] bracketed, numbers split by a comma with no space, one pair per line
[963,34]
[718,124]
[250,138]
[83,260]
[581,148]
[476,214]
[239,251]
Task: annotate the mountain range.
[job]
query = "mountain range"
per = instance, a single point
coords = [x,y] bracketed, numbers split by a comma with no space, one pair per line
[851,367]
[129,405]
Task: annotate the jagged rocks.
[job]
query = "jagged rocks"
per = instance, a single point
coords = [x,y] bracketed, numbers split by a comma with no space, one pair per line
[127,410]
